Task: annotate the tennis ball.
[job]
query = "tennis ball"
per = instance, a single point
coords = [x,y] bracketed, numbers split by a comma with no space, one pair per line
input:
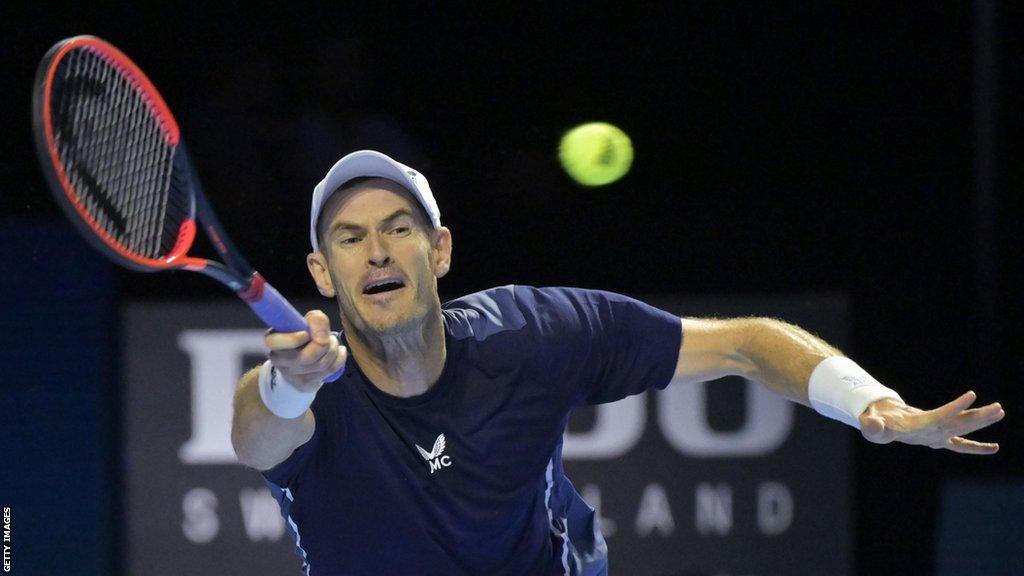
[596,153]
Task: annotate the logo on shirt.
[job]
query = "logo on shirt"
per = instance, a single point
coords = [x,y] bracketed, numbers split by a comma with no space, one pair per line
[436,457]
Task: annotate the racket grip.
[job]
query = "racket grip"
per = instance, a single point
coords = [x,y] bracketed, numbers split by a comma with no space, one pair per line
[276,311]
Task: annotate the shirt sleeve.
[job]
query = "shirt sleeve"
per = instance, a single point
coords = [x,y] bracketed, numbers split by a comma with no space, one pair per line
[610,346]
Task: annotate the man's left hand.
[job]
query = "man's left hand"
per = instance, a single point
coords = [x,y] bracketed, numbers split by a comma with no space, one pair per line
[889,420]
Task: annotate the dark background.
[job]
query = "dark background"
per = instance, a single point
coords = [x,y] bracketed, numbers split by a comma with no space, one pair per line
[788,148]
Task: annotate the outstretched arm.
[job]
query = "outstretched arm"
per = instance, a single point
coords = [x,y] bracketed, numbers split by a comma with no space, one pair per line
[783,357]
[262,438]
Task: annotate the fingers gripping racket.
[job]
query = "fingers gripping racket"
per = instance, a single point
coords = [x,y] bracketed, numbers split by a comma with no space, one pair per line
[113,156]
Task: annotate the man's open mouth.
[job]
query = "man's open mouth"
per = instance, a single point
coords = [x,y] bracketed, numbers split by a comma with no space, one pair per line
[382,286]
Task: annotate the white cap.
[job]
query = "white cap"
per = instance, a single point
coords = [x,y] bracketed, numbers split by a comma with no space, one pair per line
[371,163]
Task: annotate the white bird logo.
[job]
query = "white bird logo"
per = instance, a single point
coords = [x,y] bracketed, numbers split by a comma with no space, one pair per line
[437,451]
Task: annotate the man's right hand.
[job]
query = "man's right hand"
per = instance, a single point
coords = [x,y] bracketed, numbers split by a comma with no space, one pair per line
[304,358]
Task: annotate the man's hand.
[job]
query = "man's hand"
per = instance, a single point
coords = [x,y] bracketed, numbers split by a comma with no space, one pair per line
[889,420]
[305,359]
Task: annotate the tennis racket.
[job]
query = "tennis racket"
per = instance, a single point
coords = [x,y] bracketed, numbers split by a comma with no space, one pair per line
[113,156]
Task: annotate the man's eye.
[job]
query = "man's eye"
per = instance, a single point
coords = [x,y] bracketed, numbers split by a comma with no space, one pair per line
[400,230]
[349,240]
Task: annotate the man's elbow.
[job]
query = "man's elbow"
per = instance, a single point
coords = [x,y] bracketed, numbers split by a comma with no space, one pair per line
[247,456]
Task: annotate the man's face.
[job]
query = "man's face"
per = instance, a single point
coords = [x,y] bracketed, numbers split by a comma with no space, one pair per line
[380,258]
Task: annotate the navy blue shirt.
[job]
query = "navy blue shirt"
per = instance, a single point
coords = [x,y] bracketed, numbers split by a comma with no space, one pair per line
[467,477]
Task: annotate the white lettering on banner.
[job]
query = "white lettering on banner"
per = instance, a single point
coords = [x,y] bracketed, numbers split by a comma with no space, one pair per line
[682,416]
[774,508]
[715,512]
[201,522]
[713,509]
[591,493]
[618,426]
[654,512]
[261,515]
[768,511]
[216,358]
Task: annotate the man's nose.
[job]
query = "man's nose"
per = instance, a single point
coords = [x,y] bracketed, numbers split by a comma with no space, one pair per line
[378,251]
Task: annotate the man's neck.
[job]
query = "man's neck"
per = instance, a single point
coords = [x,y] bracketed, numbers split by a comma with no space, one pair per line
[403,365]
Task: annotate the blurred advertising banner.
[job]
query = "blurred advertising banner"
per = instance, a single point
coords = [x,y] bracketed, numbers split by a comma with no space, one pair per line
[721,478]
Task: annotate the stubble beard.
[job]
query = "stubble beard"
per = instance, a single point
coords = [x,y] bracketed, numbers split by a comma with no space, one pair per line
[388,324]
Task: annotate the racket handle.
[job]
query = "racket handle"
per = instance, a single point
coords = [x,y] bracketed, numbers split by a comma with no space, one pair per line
[276,311]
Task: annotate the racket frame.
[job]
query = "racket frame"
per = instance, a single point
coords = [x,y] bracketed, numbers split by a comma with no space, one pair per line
[235,272]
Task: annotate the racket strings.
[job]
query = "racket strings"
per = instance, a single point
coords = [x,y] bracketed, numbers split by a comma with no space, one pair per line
[114,151]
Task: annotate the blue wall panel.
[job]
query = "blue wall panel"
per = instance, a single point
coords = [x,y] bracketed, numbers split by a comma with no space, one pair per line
[58,317]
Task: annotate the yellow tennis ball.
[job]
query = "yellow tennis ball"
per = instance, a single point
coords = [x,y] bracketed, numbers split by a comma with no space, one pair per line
[596,153]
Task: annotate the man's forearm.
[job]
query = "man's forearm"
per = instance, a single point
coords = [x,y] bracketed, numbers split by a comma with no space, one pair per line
[261,439]
[782,356]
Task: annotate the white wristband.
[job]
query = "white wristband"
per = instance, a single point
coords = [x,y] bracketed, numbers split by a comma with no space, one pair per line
[280,397]
[842,390]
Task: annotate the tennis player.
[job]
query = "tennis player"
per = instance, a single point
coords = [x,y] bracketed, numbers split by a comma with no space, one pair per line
[438,451]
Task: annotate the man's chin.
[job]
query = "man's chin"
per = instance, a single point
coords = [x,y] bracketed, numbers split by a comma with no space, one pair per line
[388,321]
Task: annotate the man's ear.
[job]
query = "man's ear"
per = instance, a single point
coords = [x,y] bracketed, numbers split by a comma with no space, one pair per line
[317,265]
[442,251]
